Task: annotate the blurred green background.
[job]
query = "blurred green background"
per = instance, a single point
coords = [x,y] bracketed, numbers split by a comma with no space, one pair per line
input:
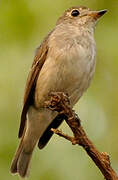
[23,25]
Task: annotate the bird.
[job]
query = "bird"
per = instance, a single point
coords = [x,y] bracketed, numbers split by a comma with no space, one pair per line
[64,62]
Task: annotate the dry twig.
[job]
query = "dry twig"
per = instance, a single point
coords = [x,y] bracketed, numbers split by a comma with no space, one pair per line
[60,102]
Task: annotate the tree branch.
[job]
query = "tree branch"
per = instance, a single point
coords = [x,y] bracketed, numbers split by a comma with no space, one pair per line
[60,102]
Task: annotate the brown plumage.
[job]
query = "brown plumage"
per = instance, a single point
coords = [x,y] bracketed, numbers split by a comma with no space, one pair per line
[65,62]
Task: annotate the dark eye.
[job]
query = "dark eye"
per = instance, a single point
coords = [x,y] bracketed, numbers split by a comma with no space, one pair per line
[75,13]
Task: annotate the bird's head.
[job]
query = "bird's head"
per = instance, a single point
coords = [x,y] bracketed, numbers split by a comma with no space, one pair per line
[81,16]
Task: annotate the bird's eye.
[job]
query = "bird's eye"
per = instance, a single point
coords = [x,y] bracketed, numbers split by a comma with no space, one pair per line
[75,13]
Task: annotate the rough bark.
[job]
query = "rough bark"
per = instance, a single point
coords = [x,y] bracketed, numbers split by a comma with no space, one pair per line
[60,102]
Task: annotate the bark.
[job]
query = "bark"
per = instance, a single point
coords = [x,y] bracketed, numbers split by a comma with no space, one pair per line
[60,102]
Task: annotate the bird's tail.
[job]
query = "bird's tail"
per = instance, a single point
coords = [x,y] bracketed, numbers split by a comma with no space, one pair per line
[21,160]
[37,123]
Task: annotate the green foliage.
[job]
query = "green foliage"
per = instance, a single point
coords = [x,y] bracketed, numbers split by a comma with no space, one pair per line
[23,24]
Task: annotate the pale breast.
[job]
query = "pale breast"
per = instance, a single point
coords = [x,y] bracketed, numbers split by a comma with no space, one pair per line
[80,67]
[68,68]
[84,73]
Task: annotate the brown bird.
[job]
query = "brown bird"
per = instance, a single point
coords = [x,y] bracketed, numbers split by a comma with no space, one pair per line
[64,62]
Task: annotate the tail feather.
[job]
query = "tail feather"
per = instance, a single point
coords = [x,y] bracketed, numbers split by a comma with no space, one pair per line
[23,163]
[13,168]
[21,160]
[34,129]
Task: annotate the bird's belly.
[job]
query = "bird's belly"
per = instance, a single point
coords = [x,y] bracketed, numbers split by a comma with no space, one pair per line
[78,80]
[71,75]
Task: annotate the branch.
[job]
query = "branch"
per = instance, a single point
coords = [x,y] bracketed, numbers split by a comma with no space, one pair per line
[60,102]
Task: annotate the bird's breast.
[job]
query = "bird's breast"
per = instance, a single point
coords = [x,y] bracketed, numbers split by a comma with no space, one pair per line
[77,66]
[68,69]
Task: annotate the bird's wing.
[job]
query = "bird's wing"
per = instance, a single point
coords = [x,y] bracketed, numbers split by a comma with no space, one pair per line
[38,62]
[48,133]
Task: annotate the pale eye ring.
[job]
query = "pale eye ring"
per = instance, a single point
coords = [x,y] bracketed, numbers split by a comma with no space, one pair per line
[75,13]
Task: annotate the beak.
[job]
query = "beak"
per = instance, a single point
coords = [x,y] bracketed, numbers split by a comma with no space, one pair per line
[97,14]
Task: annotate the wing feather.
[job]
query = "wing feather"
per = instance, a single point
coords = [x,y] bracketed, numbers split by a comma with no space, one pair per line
[38,62]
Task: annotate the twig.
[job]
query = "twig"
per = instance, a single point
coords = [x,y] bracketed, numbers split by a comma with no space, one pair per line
[61,134]
[60,102]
